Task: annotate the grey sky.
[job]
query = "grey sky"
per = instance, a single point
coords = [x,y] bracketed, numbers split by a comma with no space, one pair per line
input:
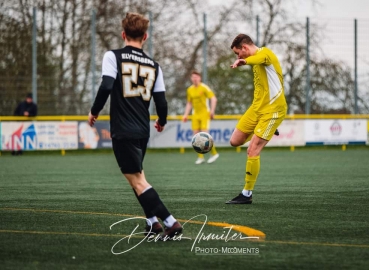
[336,17]
[326,8]
[335,8]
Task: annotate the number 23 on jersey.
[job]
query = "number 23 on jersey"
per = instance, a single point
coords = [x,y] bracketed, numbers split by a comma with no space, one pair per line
[130,74]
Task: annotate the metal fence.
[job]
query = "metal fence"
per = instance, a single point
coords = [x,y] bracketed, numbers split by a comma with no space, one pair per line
[345,43]
[325,61]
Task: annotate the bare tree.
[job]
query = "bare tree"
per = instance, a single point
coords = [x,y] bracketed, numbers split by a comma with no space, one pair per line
[64,46]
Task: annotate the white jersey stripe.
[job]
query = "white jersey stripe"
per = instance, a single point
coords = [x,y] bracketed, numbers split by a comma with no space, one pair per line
[275,86]
[277,96]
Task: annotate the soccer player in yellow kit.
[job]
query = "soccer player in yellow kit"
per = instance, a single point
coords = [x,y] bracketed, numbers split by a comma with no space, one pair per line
[266,113]
[197,97]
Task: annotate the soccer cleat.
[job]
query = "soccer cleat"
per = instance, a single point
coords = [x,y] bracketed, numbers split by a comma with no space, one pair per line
[276,132]
[199,161]
[213,158]
[171,232]
[154,229]
[240,199]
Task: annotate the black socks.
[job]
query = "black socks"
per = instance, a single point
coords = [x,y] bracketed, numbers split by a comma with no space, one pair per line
[152,205]
[148,214]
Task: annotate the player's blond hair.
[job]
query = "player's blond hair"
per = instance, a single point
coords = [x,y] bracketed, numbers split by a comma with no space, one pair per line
[135,26]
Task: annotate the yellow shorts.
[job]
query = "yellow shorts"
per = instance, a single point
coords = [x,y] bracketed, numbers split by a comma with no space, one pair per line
[201,122]
[262,125]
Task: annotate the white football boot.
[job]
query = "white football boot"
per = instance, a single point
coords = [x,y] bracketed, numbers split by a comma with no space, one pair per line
[213,158]
[199,161]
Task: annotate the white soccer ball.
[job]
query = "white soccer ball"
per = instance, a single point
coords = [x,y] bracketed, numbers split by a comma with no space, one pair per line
[202,142]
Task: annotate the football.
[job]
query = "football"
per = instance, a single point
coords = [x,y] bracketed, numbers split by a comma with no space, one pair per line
[202,142]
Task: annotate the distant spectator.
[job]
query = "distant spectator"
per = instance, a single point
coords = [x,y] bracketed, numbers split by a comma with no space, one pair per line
[27,107]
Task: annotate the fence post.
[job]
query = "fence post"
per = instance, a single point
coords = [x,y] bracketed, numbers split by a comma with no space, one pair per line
[356,109]
[150,41]
[307,87]
[93,54]
[151,53]
[34,55]
[257,31]
[205,53]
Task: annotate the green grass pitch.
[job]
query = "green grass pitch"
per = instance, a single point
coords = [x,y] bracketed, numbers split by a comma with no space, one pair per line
[312,205]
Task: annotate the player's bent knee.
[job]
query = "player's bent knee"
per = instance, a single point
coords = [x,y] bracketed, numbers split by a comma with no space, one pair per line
[135,178]
[234,142]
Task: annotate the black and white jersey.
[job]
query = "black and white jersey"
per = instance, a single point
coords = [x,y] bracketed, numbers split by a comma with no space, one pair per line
[137,77]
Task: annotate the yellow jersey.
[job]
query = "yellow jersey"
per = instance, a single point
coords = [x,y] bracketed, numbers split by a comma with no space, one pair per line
[198,96]
[268,82]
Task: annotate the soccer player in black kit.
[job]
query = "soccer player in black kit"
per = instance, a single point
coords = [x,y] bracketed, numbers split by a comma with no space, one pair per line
[131,78]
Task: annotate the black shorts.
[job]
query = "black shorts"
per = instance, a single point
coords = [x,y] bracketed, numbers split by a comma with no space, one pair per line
[130,154]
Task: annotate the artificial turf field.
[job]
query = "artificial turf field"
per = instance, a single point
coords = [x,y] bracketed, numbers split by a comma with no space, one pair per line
[311,204]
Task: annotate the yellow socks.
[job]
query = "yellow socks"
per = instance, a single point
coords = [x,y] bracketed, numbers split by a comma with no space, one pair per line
[252,172]
[200,155]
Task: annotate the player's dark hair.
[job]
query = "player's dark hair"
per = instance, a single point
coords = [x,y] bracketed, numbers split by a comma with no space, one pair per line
[135,26]
[195,72]
[241,39]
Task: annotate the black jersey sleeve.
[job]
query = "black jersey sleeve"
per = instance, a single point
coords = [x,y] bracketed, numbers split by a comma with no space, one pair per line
[105,89]
[161,107]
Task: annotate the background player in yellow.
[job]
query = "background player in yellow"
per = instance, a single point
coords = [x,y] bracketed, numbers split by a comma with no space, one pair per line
[266,113]
[198,95]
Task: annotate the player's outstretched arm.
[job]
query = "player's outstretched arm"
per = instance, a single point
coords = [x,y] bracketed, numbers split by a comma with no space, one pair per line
[238,63]
[258,59]
[102,96]
[187,111]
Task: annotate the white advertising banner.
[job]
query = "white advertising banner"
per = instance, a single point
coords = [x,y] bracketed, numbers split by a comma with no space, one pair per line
[336,131]
[64,135]
[39,135]
[179,134]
